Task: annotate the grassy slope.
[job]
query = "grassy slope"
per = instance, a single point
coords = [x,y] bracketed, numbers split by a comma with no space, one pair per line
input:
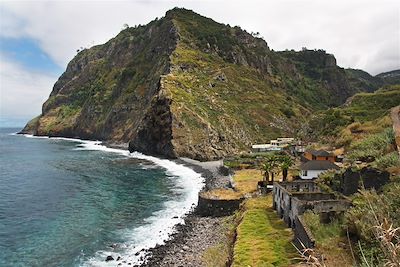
[262,237]
[365,114]
[243,107]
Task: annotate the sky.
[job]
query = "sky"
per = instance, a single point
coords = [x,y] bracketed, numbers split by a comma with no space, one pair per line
[39,38]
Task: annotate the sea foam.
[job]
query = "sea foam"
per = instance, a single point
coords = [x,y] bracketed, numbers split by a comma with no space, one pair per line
[160,225]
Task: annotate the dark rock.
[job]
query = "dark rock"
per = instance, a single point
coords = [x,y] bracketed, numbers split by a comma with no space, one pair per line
[351,181]
[109,258]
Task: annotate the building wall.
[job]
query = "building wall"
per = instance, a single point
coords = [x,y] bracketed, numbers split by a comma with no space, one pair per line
[292,199]
[311,174]
[330,158]
[309,156]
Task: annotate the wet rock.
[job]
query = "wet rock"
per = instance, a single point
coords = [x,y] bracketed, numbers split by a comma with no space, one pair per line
[109,258]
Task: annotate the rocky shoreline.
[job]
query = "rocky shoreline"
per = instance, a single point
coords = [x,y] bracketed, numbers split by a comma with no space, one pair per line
[190,240]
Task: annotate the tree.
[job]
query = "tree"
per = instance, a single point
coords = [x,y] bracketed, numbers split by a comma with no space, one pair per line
[286,163]
[265,170]
[269,167]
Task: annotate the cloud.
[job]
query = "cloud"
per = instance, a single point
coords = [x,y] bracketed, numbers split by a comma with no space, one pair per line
[22,91]
[352,30]
[361,34]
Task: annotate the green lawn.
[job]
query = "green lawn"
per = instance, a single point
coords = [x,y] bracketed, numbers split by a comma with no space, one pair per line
[262,237]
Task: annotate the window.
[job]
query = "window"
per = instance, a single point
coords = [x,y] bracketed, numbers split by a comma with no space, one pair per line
[305,173]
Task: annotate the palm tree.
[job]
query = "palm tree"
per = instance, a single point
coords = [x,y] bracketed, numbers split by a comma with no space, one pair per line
[286,163]
[265,169]
[268,168]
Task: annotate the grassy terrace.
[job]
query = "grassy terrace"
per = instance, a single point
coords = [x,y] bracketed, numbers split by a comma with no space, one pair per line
[263,239]
[245,182]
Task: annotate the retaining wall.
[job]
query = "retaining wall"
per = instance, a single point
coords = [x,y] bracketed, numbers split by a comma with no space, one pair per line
[217,207]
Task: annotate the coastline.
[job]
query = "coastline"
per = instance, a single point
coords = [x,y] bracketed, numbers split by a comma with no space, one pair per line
[191,240]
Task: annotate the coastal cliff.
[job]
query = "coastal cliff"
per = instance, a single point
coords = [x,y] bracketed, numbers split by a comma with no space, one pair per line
[185,85]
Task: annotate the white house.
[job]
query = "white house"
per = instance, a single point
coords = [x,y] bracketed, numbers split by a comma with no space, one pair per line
[265,148]
[311,169]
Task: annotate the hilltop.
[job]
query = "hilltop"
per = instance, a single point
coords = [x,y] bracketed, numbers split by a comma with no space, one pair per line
[185,85]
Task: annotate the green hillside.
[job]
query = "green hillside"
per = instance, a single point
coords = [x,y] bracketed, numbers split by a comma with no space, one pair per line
[363,114]
[185,85]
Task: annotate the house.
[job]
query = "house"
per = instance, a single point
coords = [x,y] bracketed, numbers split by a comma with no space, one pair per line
[282,141]
[311,169]
[286,140]
[319,155]
[274,145]
[264,148]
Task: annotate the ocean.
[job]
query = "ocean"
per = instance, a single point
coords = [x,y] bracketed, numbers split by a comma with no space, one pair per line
[69,202]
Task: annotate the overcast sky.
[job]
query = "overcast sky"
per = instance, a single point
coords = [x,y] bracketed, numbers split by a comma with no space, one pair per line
[38,39]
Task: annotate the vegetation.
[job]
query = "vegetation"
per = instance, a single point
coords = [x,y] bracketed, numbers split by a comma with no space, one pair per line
[275,163]
[219,255]
[365,113]
[331,240]
[246,180]
[377,148]
[375,220]
[225,88]
[244,161]
[262,237]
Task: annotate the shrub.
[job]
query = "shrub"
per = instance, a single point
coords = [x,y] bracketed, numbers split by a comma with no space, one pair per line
[373,146]
[370,218]
[388,160]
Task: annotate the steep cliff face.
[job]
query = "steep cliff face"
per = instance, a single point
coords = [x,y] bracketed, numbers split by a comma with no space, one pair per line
[186,85]
[106,91]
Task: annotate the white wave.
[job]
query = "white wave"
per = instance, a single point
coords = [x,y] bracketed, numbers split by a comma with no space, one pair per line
[160,225]
[35,136]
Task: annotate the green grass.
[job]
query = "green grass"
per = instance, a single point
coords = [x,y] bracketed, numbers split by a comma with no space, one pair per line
[330,240]
[322,232]
[219,255]
[374,147]
[366,113]
[246,180]
[262,237]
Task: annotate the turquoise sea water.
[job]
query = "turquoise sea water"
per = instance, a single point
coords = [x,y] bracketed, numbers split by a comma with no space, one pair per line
[72,203]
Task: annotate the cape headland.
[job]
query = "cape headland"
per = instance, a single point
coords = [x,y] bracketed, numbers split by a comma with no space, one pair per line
[187,86]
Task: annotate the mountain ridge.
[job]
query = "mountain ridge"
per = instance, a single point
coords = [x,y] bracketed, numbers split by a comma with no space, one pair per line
[185,85]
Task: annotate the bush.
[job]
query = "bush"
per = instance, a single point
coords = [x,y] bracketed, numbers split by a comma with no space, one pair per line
[373,146]
[388,160]
[370,217]
[322,232]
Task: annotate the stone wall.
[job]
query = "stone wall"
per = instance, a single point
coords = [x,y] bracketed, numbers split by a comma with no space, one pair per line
[217,207]
[351,181]
[303,237]
[291,203]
